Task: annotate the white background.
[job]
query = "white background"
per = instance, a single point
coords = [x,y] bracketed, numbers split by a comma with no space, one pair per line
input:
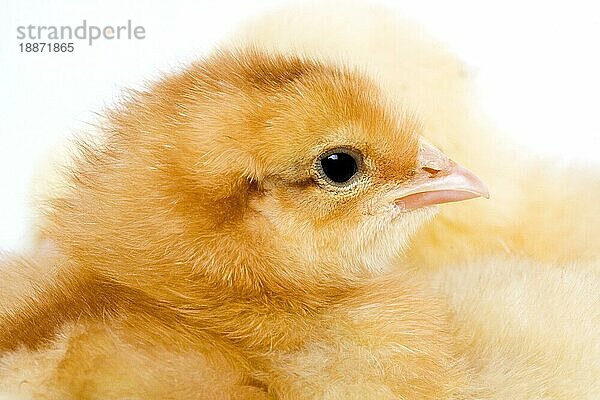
[536,64]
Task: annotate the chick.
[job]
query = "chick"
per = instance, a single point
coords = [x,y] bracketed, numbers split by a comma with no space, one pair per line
[233,236]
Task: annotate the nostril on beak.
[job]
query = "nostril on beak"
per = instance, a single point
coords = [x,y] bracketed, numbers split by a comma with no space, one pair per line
[431,171]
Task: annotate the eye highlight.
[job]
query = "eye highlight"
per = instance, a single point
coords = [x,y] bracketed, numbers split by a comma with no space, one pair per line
[339,166]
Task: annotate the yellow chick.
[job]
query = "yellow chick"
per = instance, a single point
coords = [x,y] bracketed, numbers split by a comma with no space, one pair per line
[234,235]
[492,300]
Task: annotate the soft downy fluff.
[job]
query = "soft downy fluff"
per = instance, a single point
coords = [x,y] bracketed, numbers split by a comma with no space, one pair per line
[125,247]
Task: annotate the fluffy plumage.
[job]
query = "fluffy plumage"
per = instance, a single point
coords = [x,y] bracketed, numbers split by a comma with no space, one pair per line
[199,232]
[142,286]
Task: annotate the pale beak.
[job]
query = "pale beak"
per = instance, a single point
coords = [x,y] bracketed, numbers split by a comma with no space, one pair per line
[438,180]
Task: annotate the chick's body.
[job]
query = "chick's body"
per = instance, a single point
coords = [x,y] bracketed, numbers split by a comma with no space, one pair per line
[199,251]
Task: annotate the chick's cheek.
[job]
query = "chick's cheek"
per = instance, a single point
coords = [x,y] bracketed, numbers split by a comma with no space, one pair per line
[307,229]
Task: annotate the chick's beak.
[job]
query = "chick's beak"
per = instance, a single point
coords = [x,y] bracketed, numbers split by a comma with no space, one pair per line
[438,180]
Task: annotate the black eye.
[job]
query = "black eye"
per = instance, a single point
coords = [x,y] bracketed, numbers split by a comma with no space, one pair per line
[339,166]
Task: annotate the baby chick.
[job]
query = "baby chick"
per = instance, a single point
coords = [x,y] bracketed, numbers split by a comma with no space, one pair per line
[233,237]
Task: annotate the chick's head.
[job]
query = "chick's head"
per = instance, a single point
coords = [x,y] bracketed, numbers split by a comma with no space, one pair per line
[266,170]
[332,176]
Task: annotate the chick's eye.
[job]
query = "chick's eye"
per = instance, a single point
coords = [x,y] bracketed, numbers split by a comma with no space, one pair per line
[339,166]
